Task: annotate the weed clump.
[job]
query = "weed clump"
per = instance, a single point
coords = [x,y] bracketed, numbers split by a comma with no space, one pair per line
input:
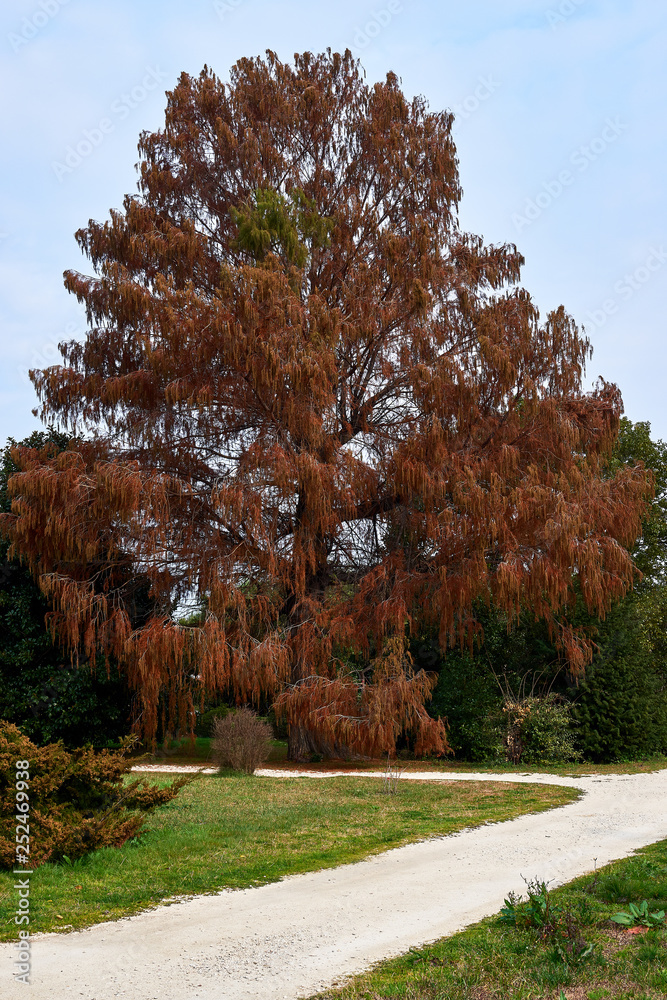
[562,927]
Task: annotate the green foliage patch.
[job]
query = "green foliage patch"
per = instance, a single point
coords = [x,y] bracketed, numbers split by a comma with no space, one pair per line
[41,690]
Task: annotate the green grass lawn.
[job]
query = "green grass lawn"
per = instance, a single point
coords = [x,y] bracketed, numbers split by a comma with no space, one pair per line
[230,831]
[494,960]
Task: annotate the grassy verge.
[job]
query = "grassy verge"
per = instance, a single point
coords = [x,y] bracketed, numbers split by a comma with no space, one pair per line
[199,751]
[228,831]
[495,960]
[455,767]
[565,770]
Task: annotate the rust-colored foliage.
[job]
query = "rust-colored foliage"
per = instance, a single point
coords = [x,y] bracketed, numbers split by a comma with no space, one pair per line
[77,799]
[319,404]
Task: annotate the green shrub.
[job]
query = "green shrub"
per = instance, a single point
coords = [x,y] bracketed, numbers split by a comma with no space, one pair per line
[77,800]
[468,697]
[621,711]
[539,730]
[204,726]
[621,706]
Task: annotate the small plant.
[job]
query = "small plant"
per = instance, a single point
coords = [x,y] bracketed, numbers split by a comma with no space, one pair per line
[570,944]
[639,916]
[537,912]
[391,777]
[551,923]
[509,912]
[241,740]
[593,884]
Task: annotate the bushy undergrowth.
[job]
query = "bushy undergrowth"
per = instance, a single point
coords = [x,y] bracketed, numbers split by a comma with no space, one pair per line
[204,726]
[241,740]
[539,730]
[486,724]
[617,712]
[77,799]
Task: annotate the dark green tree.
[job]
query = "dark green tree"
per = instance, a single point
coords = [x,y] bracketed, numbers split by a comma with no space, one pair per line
[620,710]
[634,444]
[41,691]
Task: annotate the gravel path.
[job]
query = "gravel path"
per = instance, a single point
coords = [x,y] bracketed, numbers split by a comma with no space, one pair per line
[291,938]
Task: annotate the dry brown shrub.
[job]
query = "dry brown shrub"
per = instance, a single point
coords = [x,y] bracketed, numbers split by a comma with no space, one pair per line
[241,740]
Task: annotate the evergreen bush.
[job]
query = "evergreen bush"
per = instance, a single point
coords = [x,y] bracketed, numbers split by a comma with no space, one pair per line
[621,711]
[77,800]
[621,706]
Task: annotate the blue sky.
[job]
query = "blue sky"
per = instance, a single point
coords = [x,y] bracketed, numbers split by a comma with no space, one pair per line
[560,130]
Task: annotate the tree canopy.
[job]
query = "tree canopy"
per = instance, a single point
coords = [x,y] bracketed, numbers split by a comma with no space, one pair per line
[634,445]
[40,689]
[308,399]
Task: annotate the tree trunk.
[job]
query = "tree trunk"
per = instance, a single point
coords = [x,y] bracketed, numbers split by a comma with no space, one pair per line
[302,743]
[514,744]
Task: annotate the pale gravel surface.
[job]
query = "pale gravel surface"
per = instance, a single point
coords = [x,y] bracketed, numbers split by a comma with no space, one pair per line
[291,938]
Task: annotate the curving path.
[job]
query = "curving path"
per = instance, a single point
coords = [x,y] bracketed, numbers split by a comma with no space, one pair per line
[291,938]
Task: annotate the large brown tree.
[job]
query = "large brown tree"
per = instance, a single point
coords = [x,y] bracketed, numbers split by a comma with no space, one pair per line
[311,401]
